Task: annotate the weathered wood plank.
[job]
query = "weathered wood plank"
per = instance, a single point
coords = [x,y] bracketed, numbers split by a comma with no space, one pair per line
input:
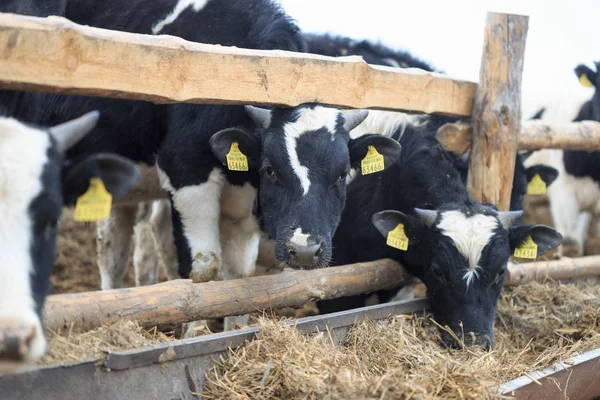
[181,300]
[497,109]
[535,135]
[55,55]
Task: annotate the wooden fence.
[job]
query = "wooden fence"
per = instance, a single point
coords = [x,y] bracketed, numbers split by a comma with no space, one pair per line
[56,55]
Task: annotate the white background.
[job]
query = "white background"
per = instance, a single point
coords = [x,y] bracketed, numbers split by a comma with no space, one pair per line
[449,35]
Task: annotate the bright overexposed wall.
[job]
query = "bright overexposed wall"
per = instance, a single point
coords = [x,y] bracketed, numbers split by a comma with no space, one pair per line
[449,35]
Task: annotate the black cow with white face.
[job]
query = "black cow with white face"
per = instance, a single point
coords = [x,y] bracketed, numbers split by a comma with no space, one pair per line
[458,247]
[35,183]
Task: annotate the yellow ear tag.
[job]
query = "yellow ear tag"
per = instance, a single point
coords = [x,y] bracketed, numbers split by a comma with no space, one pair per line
[373,162]
[236,160]
[93,205]
[397,239]
[536,185]
[527,249]
[585,81]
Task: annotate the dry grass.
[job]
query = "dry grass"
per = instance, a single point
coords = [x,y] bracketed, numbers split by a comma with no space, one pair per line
[400,358]
[69,346]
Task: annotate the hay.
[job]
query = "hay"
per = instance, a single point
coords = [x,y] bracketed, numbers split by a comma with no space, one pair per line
[69,346]
[400,358]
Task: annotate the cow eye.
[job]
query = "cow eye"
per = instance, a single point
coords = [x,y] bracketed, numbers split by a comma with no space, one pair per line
[436,271]
[270,173]
[340,179]
[501,274]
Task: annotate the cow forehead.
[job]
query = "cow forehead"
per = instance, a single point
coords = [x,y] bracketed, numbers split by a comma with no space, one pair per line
[470,234]
[23,155]
[307,120]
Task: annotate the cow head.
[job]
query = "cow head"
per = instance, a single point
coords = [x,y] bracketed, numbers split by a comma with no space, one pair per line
[523,176]
[590,78]
[34,186]
[463,253]
[303,155]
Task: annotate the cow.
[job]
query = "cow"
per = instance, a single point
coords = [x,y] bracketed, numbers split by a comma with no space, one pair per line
[457,246]
[292,183]
[575,196]
[36,181]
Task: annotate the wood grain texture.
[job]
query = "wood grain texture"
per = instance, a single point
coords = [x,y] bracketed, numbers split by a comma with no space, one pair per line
[496,115]
[535,135]
[181,300]
[55,55]
[541,271]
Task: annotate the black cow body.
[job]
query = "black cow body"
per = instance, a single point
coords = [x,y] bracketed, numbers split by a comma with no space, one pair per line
[458,247]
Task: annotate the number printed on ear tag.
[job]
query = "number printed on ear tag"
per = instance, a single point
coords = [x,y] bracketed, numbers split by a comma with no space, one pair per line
[94,204]
[373,161]
[397,239]
[527,250]
[536,185]
[236,160]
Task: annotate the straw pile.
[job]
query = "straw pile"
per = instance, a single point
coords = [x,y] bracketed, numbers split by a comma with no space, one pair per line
[69,346]
[400,358]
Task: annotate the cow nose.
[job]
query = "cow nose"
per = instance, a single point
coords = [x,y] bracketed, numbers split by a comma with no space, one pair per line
[15,343]
[471,339]
[306,255]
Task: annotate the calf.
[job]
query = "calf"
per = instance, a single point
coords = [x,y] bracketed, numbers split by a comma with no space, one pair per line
[458,247]
[296,156]
[575,195]
[35,182]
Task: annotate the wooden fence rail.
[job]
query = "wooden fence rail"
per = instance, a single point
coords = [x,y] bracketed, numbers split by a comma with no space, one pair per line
[535,135]
[56,55]
[181,301]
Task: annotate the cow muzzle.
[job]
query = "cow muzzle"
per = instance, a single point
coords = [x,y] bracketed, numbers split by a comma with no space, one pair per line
[483,340]
[20,341]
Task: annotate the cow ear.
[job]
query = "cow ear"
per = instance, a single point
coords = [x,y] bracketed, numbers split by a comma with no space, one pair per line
[586,76]
[548,174]
[387,221]
[247,143]
[118,174]
[389,148]
[543,236]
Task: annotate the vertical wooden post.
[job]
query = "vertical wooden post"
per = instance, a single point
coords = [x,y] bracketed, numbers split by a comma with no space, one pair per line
[497,109]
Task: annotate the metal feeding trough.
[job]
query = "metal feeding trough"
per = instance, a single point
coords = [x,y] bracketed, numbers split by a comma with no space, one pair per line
[176,370]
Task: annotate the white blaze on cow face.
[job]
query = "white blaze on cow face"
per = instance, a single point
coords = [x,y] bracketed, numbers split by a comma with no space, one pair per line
[308,120]
[470,235]
[181,6]
[300,238]
[23,155]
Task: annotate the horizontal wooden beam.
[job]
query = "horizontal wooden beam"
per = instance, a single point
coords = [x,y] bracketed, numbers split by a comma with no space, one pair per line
[181,300]
[535,135]
[541,271]
[55,55]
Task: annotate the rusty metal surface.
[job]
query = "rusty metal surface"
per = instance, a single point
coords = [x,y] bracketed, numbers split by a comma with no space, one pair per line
[577,378]
[178,374]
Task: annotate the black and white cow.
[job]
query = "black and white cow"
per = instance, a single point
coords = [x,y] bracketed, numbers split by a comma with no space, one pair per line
[35,182]
[458,247]
[575,196]
[296,156]
[386,122]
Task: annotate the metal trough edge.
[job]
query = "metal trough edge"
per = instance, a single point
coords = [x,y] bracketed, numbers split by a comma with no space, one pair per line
[172,370]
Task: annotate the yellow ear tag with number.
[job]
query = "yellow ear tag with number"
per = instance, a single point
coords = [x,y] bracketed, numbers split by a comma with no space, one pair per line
[536,185]
[93,205]
[527,250]
[585,81]
[236,160]
[397,239]
[373,162]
